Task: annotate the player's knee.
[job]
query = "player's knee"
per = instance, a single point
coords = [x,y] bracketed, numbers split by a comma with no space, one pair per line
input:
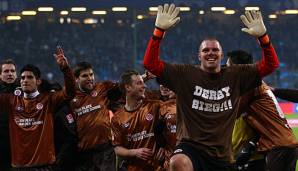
[180,162]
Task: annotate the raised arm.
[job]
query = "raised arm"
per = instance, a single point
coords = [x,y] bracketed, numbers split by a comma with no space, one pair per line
[269,61]
[69,92]
[167,17]
[255,26]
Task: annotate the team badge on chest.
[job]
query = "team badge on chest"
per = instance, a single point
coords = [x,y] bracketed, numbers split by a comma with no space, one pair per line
[69,118]
[169,116]
[39,106]
[149,117]
[126,125]
[94,93]
[17,92]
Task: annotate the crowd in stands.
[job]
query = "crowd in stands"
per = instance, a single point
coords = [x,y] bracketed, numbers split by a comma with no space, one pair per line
[118,42]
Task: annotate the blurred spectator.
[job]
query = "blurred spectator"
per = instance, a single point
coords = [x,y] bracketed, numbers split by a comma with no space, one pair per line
[118,42]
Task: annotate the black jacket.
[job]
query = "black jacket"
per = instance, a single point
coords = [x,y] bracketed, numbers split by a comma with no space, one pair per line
[5,159]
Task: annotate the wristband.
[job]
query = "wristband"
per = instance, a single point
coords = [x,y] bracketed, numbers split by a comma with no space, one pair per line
[158,33]
[263,40]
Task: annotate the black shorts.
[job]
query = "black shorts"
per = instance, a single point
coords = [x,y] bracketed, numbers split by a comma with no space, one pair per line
[254,165]
[101,158]
[201,161]
[283,158]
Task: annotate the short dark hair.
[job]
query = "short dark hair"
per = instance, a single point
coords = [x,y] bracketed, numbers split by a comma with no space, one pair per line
[126,76]
[80,67]
[32,68]
[6,61]
[240,57]
[208,39]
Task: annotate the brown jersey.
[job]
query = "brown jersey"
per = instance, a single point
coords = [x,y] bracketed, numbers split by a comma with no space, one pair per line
[207,103]
[168,113]
[267,118]
[133,130]
[31,124]
[152,94]
[92,116]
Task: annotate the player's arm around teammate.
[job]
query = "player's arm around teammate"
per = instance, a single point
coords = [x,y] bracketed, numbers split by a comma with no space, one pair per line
[286,94]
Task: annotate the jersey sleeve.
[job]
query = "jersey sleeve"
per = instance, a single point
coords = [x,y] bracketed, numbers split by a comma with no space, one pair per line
[172,76]
[117,131]
[60,97]
[286,94]
[249,77]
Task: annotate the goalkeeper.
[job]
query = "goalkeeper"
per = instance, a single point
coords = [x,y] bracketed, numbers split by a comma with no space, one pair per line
[207,95]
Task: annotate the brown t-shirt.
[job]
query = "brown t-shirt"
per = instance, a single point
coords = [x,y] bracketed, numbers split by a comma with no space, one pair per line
[31,123]
[134,130]
[92,116]
[267,118]
[207,104]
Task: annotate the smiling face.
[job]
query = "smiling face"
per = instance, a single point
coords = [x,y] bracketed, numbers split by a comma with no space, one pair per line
[210,55]
[136,87]
[86,80]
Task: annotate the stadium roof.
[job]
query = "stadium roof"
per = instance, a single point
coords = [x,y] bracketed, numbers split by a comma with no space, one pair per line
[13,5]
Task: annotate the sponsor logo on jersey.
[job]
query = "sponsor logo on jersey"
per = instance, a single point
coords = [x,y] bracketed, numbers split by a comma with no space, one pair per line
[86,109]
[149,117]
[139,136]
[39,106]
[27,122]
[17,92]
